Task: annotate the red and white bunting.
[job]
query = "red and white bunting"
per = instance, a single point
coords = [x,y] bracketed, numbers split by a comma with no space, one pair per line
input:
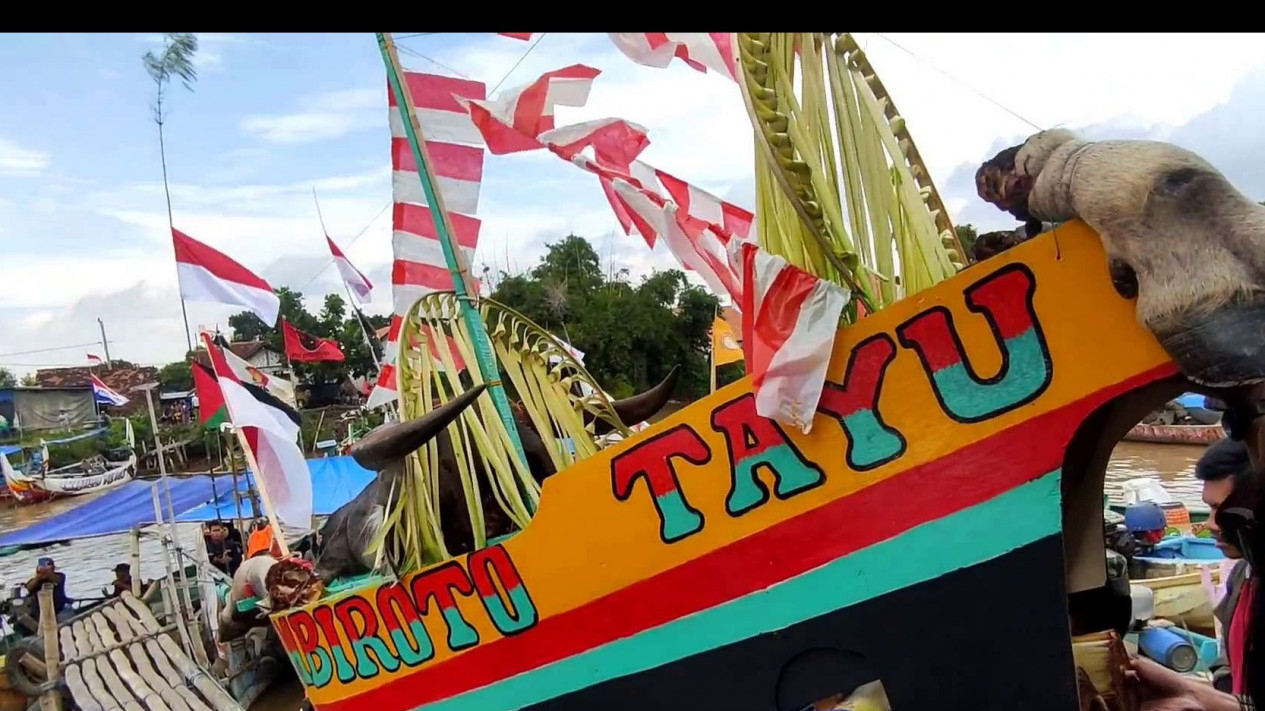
[702,253]
[454,146]
[514,120]
[789,321]
[524,36]
[700,208]
[355,280]
[206,274]
[700,50]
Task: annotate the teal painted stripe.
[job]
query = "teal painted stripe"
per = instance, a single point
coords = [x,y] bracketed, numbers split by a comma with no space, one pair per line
[968,537]
[1026,371]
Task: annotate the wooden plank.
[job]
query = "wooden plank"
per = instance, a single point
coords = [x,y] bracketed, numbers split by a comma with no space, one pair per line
[50,700]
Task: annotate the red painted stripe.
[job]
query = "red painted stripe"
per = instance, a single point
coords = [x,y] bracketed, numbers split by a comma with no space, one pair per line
[418,220]
[927,492]
[431,91]
[1003,296]
[417,274]
[448,160]
[220,265]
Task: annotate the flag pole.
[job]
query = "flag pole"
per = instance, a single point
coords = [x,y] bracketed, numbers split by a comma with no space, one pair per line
[364,328]
[462,281]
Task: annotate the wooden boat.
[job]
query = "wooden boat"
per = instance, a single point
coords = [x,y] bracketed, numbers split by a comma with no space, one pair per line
[1176,434]
[1182,599]
[677,557]
[90,476]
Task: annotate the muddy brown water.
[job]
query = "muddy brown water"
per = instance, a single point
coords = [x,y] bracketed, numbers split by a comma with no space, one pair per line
[88,563]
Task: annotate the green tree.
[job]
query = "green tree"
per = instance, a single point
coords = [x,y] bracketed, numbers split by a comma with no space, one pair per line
[30,381]
[632,335]
[7,379]
[175,60]
[967,234]
[176,376]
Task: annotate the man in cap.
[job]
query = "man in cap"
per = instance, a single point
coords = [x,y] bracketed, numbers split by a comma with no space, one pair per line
[122,579]
[46,573]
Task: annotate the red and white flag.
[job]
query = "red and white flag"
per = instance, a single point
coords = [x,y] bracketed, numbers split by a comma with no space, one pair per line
[95,359]
[355,280]
[270,429]
[700,50]
[454,146]
[206,274]
[515,119]
[525,36]
[789,321]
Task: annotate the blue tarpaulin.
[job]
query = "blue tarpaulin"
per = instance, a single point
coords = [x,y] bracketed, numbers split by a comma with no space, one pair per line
[117,510]
[335,481]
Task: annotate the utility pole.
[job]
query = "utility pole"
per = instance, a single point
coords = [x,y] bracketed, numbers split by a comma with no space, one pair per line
[104,343]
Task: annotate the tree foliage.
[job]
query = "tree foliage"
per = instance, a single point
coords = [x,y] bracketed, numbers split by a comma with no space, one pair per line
[176,376]
[7,378]
[967,234]
[333,322]
[631,335]
[176,60]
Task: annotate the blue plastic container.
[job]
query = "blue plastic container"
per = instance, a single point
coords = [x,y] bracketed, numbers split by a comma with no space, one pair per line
[1168,648]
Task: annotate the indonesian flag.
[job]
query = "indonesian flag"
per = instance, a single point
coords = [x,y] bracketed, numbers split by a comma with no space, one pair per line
[355,280]
[303,348]
[103,395]
[270,429]
[95,359]
[789,322]
[206,274]
[516,118]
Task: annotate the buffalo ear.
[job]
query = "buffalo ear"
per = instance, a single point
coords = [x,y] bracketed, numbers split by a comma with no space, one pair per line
[392,442]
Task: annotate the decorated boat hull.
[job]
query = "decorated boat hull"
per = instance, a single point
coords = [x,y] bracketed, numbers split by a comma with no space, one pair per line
[717,559]
[68,484]
[1176,434]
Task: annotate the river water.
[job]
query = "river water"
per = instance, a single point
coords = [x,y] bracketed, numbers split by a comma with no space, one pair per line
[88,563]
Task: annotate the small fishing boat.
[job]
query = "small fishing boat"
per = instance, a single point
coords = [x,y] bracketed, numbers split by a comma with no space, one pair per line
[1178,555]
[92,475]
[1148,488]
[1176,434]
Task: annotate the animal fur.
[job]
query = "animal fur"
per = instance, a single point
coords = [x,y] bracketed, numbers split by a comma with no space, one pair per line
[1192,239]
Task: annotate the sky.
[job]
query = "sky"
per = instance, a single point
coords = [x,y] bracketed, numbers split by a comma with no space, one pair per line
[83,220]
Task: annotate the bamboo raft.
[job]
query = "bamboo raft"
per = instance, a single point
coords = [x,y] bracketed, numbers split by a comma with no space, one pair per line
[120,657]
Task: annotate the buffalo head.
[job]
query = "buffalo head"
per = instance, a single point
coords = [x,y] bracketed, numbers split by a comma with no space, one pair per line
[1178,236]
[347,534]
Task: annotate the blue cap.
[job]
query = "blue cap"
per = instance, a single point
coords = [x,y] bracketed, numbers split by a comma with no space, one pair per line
[44,561]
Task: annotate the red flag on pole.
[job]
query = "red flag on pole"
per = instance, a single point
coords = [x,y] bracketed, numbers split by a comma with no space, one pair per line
[302,348]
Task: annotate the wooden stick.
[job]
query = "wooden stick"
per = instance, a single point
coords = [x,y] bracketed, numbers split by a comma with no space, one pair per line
[50,700]
[136,561]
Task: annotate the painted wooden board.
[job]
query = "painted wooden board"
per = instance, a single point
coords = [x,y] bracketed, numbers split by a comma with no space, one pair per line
[716,560]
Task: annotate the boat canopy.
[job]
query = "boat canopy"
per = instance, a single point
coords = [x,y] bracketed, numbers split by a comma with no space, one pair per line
[335,481]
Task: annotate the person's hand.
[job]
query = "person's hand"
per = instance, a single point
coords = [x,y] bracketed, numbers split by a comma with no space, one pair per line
[1162,688]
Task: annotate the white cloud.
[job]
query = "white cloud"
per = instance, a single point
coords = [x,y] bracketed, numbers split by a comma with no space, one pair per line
[1202,95]
[16,160]
[321,117]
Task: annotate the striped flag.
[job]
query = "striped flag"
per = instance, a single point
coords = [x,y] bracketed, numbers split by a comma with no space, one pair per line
[516,118]
[355,280]
[206,274]
[103,395]
[455,149]
[270,429]
[95,359]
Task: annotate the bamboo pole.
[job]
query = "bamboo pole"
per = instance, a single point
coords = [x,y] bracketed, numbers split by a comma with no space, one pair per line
[50,700]
[462,281]
[135,559]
